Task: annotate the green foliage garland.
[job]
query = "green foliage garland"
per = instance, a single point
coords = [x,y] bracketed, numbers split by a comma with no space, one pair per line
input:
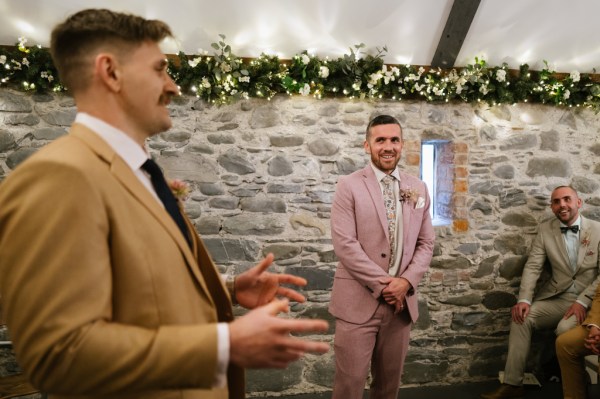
[223,77]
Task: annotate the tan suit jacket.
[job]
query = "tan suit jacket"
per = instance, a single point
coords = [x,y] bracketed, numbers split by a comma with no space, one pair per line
[549,246]
[102,295]
[360,240]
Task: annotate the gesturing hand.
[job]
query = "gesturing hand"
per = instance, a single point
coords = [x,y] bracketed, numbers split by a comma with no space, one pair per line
[256,287]
[261,339]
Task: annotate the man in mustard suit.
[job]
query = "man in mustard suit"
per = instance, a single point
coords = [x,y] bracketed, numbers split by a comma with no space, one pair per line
[107,292]
[573,346]
[383,237]
[569,243]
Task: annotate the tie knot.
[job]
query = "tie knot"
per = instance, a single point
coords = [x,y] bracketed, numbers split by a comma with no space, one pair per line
[388,180]
[152,168]
[574,229]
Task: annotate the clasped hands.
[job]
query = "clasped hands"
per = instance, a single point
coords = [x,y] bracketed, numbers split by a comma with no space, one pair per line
[260,338]
[395,292]
[592,342]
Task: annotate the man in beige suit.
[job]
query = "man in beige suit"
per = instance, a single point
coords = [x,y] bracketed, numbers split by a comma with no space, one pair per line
[107,292]
[569,243]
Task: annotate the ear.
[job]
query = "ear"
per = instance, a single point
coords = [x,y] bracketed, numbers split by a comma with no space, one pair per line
[108,71]
[367,147]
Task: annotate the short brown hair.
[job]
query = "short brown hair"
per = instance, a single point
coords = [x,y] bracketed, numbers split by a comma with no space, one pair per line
[382,120]
[75,40]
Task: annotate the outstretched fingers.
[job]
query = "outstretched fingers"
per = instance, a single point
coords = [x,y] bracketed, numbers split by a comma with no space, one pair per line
[290,294]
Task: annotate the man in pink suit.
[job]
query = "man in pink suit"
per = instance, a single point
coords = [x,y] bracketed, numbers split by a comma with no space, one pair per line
[383,250]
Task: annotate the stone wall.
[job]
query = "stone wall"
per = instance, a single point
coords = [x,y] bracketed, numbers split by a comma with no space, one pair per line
[263,176]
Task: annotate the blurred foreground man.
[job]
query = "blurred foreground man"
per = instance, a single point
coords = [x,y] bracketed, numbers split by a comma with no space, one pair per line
[108,291]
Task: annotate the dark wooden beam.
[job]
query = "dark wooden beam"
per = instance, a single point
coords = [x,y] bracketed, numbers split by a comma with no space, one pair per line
[457,26]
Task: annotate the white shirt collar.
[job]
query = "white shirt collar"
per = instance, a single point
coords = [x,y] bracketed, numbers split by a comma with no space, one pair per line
[575,223]
[119,141]
[380,175]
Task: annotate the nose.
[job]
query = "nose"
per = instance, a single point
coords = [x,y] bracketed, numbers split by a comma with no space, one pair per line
[171,87]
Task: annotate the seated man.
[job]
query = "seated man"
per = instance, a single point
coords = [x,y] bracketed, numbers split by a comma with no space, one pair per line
[573,346]
[569,243]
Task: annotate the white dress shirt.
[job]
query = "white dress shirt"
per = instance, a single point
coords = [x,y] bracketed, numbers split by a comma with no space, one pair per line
[395,264]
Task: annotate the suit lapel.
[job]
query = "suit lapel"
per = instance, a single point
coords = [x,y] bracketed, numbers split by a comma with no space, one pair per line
[406,210]
[374,190]
[124,175]
[585,237]
[559,242]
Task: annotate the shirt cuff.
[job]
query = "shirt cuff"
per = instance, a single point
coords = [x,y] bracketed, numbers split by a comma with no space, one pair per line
[222,355]
[581,303]
[592,325]
[524,301]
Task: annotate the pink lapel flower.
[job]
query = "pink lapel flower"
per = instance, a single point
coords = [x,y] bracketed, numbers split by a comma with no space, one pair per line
[586,239]
[409,195]
[180,189]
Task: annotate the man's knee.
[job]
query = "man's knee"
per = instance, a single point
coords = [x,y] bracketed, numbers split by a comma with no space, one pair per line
[565,325]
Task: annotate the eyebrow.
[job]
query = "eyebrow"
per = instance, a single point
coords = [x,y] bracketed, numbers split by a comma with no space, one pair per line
[559,198]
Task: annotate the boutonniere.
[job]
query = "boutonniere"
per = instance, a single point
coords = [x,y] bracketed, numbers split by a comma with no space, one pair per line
[409,195]
[585,241]
[180,189]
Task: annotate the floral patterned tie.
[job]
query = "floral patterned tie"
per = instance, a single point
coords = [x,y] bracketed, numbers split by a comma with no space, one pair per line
[390,210]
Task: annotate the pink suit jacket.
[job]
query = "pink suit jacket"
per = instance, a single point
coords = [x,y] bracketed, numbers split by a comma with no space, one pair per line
[360,241]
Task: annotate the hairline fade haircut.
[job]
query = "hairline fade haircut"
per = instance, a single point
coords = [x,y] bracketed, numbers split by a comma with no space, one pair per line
[382,120]
[73,42]
[566,186]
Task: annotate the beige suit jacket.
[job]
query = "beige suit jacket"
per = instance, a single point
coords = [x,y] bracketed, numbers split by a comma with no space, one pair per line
[102,295]
[549,246]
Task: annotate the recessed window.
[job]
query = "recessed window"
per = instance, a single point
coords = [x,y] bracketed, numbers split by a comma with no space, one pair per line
[437,171]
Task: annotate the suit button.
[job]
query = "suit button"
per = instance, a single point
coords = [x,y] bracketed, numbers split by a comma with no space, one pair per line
[383,255]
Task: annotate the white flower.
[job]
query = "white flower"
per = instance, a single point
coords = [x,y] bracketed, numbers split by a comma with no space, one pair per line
[305,91]
[567,94]
[438,91]
[244,79]
[22,41]
[375,77]
[25,62]
[225,67]
[575,76]
[396,71]
[194,62]
[305,59]
[205,83]
[483,89]
[323,72]
[500,75]
[2,59]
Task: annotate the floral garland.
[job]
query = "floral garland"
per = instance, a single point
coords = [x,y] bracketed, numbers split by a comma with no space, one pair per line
[223,77]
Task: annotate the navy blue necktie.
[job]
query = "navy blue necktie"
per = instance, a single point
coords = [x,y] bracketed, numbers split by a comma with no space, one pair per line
[166,196]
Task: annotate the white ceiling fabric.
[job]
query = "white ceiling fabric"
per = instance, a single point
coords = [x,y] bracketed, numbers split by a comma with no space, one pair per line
[512,31]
